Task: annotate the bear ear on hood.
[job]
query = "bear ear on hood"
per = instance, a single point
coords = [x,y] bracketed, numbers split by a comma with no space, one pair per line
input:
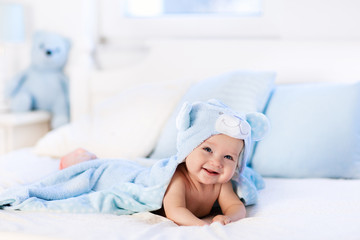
[259,125]
[183,118]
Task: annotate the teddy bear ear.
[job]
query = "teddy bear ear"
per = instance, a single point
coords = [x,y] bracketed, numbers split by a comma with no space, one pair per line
[37,36]
[183,117]
[259,125]
[67,43]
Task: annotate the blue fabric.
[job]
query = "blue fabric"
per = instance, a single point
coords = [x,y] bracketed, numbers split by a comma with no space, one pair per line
[242,91]
[106,186]
[315,132]
[109,186]
[198,121]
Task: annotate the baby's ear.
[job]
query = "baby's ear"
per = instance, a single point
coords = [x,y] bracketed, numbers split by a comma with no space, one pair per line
[183,117]
[259,125]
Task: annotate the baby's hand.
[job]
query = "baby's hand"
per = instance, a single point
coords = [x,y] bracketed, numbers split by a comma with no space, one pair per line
[222,219]
[77,156]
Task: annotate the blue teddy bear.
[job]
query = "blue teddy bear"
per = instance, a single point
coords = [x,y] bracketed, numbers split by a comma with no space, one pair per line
[43,86]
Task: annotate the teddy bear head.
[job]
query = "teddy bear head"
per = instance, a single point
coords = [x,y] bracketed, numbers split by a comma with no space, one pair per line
[49,51]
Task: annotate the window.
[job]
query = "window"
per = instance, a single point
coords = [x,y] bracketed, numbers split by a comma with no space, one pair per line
[188,18]
[153,8]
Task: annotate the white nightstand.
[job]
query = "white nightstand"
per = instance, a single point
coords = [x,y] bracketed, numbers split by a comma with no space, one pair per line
[18,130]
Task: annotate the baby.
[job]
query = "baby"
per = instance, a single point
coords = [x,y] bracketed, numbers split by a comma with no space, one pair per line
[213,148]
[203,179]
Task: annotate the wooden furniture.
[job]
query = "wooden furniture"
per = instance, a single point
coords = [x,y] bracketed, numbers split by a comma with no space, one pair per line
[18,130]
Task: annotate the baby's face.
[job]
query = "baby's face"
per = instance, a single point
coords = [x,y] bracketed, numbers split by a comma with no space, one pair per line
[215,160]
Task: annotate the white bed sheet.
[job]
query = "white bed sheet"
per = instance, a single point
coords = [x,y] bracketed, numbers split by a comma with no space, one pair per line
[287,209]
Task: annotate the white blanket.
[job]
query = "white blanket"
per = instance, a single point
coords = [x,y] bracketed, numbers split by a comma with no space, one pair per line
[287,209]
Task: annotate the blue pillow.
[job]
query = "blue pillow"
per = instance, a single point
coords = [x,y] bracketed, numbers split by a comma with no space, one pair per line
[315,132]
[243,91]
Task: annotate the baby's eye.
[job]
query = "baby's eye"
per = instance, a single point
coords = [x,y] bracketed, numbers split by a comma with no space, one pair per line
[229,157]
[207,149]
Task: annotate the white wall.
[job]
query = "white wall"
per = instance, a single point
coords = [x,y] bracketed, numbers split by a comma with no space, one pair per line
[319,19]
[323,20]
[287,23]
[315,19]
[62,16]
[295,19]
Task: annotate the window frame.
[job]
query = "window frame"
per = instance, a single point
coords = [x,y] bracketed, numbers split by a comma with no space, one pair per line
[115,25]
[157,11]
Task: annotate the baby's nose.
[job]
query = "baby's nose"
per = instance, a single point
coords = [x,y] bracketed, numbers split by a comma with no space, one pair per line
[217,162]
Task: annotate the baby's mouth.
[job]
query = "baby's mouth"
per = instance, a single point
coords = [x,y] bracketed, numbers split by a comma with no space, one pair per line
[211,172]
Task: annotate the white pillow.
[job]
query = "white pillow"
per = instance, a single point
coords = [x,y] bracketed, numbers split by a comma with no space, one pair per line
[125,126]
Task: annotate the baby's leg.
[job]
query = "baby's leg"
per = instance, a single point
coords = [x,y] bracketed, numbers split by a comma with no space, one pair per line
[77,156]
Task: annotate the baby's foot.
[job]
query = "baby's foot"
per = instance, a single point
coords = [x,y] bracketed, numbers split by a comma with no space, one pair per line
[77,156]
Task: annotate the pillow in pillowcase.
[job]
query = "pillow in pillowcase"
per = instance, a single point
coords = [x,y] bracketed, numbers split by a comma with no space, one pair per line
[315,132]
[243,91]
[126,125]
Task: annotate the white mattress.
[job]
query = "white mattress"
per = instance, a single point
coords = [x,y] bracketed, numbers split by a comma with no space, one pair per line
[287,209]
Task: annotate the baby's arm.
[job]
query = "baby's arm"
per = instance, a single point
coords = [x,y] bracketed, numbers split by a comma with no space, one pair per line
[77,156]
[231,206]
[175,204]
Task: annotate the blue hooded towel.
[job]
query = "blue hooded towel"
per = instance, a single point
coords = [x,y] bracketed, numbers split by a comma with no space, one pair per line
[125,187]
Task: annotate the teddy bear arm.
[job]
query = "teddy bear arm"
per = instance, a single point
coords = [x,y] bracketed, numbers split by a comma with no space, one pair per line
[19,98]
[15,84]
[60,111]
[64,81]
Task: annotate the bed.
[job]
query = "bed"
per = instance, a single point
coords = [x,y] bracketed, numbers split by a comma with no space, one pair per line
[287,208]
[310,160]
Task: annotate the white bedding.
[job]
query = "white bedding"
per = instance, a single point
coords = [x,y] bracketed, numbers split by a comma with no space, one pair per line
[287,209]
